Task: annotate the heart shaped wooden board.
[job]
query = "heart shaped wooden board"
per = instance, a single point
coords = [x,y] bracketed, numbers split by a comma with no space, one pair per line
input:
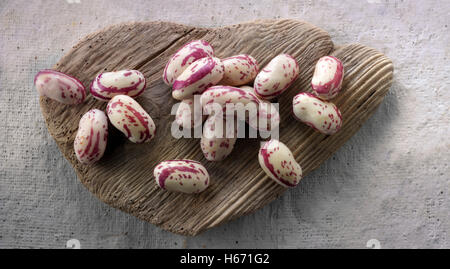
[123,178]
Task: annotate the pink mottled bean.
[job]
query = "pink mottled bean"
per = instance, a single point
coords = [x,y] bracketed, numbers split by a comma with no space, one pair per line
[60,87]
[223,95]
[184,176]
[327,78]
[131,119]
[279,164]
[127,82]
[186,115]
[200,75]
[276,76]
[239,70]
[185,56]
[267,117]
[321,115]
[267,111]
[92,136]
[217,141]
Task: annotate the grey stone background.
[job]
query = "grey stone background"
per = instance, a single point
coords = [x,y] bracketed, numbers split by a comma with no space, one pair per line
[390,182]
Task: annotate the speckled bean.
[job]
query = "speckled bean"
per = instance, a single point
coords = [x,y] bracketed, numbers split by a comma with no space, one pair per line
[181,60]
[185,176]
[60,87]
[321,115]
[186,116]
[131,119]
[265,110]
[199,76]
[223,95]
[239,70]
[327,78]
[276,76]
[92,136]
[277,161]
[217,144]
[127,82]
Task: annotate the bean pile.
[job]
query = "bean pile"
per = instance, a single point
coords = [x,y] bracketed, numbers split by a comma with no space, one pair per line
[194,70]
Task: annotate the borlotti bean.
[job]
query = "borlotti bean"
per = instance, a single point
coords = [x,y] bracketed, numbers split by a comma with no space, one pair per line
[279,164]
[223,95]
[199,76]
[327,78]
[276,76]
[266,110]
[60,87]
[321,115]
[268,117]
[186,115]
[131,119]
[239,70]
[90,141]
[217,142]
[181,60]
[185,176]
[109,84]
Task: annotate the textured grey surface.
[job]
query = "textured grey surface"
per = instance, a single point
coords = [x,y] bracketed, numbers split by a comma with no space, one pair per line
[390,182]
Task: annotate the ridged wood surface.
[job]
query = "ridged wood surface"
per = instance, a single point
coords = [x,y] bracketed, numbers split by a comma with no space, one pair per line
[123,178]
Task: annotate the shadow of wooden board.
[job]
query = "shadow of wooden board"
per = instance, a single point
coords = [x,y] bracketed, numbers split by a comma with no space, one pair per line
[123,178]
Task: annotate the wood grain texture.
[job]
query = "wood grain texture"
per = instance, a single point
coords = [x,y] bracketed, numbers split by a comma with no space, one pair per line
[124,176]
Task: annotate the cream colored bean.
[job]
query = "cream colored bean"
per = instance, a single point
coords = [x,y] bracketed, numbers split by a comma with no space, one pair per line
[276,76]
[218,140]
[187,117]
[279,164]
[223,95]
[185,56]
[267,113]
[60,87]
[327,78]
[131,119]
[239,70]
[109,84]
[92,136]
[200,75]
[321,115]
[185,176]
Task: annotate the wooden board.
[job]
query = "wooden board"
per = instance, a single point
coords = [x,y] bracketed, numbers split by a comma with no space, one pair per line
[124,176]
